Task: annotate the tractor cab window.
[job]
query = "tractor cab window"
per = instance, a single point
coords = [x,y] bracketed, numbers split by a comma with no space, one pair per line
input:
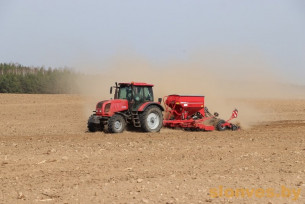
[138,94]
[143,94]
[148,94]
[125,92]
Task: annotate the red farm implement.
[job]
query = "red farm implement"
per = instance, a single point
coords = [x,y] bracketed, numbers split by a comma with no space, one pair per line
[189,113]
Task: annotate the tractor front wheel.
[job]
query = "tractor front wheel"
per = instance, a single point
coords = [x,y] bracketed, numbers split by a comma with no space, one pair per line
[92,127]
[116,124]
[151,119]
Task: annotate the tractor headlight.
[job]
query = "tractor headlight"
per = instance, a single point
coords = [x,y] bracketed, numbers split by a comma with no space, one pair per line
[107,107]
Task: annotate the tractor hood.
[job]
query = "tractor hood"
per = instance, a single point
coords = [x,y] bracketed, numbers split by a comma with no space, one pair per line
[110,107]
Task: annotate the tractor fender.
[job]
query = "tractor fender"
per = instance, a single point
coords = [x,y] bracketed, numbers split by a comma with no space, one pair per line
[147,104]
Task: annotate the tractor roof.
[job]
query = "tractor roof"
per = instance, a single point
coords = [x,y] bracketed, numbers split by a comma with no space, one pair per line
[136,84]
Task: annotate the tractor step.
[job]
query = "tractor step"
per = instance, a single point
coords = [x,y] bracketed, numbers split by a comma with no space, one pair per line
[135,118]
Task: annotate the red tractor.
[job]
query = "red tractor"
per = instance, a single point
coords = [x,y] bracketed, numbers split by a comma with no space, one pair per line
[133,104]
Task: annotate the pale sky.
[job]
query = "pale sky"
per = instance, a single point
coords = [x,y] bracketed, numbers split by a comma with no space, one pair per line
[58,33]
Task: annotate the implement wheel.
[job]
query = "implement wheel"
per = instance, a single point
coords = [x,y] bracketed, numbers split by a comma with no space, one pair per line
[220,126]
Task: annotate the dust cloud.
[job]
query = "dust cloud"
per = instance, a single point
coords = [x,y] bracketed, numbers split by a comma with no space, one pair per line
[227,81]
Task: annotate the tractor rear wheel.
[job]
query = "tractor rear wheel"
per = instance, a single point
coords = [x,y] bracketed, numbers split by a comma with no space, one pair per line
[151,119]
[220,126]
[116,124]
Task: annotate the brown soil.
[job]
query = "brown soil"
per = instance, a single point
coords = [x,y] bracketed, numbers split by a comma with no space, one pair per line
[47,156]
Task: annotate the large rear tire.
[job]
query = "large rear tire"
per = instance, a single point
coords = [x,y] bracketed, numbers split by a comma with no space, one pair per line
[116,124]
[151,119]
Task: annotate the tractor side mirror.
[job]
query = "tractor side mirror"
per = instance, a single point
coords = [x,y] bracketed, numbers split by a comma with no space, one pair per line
[216,114]
[159,100]
[111,90]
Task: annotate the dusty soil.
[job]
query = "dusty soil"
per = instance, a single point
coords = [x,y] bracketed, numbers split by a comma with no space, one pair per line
[47,156]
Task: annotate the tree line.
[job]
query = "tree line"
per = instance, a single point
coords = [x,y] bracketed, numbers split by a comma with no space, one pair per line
[15,78]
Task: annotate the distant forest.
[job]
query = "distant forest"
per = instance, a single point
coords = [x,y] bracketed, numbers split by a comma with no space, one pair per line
[15,78]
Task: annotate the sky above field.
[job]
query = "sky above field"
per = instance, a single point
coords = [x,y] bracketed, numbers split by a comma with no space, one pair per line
[71,33]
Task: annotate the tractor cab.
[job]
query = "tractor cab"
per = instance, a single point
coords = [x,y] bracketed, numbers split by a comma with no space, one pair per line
[136,93]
